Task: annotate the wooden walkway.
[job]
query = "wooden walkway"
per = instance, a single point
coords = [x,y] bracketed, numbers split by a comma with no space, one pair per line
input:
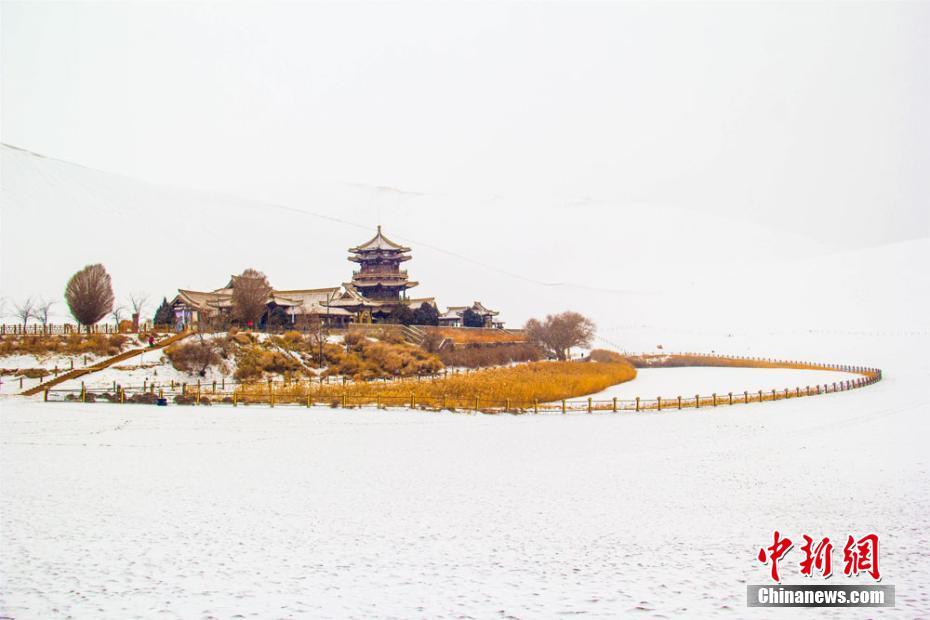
[106,363]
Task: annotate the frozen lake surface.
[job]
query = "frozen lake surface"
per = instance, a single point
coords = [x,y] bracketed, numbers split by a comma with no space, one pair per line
[686,382]
[122,511]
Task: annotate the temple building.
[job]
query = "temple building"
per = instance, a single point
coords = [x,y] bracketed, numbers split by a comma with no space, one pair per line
[377,290]
[282,307]
[454,316]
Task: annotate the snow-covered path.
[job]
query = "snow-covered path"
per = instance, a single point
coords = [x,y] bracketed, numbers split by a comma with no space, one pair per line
[127,511]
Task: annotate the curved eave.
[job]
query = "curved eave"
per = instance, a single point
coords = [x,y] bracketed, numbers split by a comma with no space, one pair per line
[383,283]
[304,291]
[196,299]
[285,303]
[362,257]
[355,301]
[317,310]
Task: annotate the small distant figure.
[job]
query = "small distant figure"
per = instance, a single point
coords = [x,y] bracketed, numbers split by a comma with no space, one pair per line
[151,341]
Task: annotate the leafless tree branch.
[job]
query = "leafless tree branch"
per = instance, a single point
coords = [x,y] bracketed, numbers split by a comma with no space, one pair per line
[25,310]
[43,310]
[137,302]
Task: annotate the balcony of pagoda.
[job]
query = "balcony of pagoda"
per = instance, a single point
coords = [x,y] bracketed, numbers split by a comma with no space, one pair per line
[379,275]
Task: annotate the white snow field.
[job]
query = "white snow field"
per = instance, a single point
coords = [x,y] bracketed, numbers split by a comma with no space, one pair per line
[114,511]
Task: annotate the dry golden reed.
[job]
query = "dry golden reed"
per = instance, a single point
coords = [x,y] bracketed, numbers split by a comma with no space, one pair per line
[471,335]
[519,386]
[680,360]
[71,344]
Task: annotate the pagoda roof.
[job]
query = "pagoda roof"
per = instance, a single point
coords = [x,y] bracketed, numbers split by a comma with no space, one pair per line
[379,242]
[368,255]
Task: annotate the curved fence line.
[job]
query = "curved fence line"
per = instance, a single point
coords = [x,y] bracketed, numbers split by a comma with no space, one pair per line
[303,394]
[684,360]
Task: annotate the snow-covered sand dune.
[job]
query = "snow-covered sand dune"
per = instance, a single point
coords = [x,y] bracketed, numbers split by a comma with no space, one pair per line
[619,262]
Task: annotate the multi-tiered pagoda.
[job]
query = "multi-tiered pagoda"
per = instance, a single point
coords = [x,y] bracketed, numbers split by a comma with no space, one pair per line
[379,276]
[379,285]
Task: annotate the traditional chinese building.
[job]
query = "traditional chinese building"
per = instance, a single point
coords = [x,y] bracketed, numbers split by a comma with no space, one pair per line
[454,316]
[282,307]
[377,290]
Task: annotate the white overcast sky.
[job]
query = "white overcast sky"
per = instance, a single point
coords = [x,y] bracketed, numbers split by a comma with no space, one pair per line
[790,115]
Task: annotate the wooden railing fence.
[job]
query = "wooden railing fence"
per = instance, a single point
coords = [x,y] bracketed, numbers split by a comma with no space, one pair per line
[309,394]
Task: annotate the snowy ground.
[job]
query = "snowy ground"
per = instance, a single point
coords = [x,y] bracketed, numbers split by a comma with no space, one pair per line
[135,511]
[146,367]
[61,362]
[10,384]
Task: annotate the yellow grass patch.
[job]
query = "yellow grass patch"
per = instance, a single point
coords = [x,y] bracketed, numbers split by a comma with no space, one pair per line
[517,386]
[71,344]
[680,360]
[475,335]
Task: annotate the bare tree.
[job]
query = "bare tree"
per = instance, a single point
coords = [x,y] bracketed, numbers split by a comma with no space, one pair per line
[43,310]
[25,310]
[250,295]
[89,294]
[117,314]
[558,333]
[137,302]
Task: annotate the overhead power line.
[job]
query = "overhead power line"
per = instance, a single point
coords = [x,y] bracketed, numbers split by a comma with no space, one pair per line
[456,255]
